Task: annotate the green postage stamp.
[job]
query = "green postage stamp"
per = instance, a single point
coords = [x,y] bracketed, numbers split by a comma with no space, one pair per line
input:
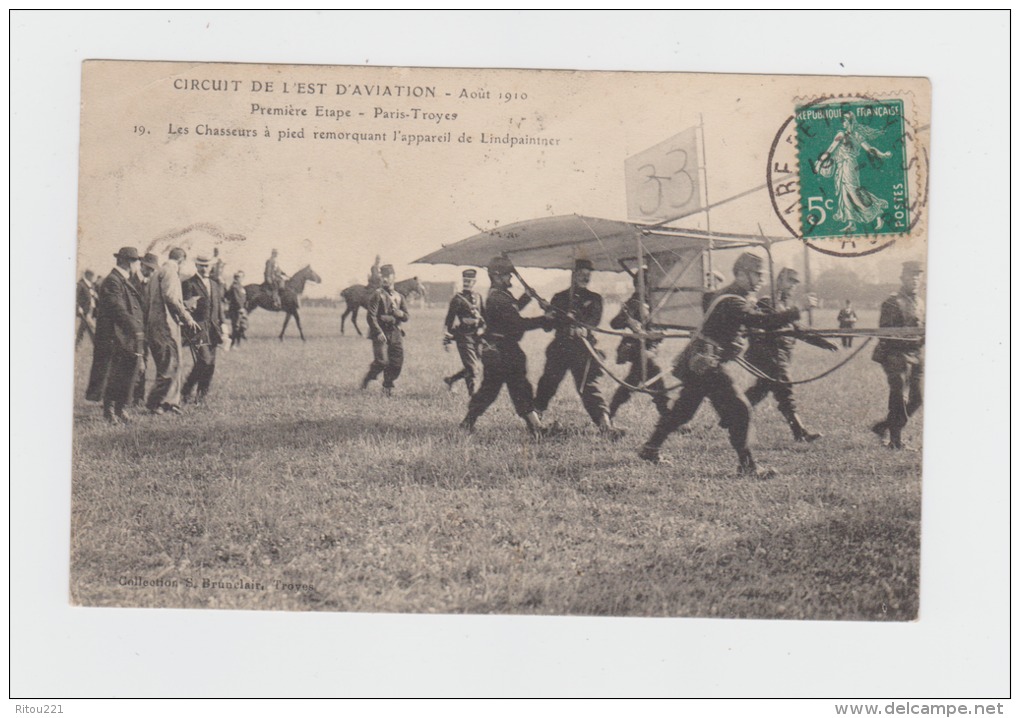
[853,168]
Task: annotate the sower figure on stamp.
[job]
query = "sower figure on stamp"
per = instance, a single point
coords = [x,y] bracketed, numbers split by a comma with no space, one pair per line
[503,360]
[120,338]
[847,319]
[85,306]
[567,352]
[773,353]
[205,296]
[902,359]
[386,312]
[274,278]
[702,366]
[464,325]
[634,315]
[150,263]
[163,331]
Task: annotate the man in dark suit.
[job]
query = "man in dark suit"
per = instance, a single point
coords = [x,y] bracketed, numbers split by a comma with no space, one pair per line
[85,301]
[120,338]
[902,359]
[203,296]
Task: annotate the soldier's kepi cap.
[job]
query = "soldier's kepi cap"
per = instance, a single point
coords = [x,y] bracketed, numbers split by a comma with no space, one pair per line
[150,260]
[387,270]
[788,274]
[500,265]
[469,274]
[583,264]
[130,253]
[913,267]
[748,262]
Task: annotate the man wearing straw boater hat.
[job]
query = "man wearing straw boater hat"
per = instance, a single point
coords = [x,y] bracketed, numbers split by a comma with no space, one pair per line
[204,296]
[120,338]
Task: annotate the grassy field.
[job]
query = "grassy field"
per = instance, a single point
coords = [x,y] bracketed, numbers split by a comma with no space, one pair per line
[292,489]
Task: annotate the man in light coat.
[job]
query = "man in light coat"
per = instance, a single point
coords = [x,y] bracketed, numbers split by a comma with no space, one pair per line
[163,329]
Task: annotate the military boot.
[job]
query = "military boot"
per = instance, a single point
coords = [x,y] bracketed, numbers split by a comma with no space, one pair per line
[607,429]
[749,468]
[800,433]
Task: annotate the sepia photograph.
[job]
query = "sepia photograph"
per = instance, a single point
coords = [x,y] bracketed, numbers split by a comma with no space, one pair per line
[292,398]
[566,360]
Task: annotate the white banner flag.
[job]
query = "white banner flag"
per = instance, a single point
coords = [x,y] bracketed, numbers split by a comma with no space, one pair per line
[663,181]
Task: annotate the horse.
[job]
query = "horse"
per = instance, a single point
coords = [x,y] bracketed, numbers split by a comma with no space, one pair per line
[290,297]
[358,295]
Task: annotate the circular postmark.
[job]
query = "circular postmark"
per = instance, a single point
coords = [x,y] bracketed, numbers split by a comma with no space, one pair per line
[847,174]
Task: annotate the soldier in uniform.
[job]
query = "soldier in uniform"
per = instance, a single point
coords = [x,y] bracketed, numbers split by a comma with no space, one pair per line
[567,352]
[386,312]
[502,358]
[847,318]
[634,315]
[702,365]
[273,277]
[773,353]
[464,325]
[237,300]
[902,359]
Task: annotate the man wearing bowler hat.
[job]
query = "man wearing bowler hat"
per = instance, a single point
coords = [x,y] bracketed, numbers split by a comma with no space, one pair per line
[464,325]
[120,338]
[902,359]
[702,366]
[204,297]
[572,308]
[386,312]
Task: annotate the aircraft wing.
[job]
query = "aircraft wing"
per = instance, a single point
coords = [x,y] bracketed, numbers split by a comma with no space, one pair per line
[555,242]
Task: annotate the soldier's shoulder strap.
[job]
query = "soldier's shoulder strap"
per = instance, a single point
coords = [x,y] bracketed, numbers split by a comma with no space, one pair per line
[716,301]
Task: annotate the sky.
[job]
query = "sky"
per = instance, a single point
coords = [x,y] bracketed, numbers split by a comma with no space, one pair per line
[240,157]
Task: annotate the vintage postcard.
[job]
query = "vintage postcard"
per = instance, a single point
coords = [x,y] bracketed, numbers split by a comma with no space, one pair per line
[372,339]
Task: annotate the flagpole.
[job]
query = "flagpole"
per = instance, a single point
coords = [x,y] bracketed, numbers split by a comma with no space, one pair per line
[807,282]
[642,289]
[708,204]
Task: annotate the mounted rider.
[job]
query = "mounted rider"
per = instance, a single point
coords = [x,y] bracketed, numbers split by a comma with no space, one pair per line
[274,279]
